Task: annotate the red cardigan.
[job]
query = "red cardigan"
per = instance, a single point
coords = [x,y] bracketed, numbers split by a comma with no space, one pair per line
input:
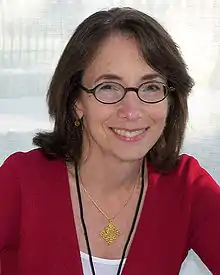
[38,236]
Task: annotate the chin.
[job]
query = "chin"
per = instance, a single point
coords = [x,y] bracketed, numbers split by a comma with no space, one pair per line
[128,156]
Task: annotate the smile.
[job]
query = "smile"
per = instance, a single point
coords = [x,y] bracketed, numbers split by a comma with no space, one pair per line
[129,135]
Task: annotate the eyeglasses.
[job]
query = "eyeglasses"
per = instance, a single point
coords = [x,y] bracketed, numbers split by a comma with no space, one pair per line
[112,92]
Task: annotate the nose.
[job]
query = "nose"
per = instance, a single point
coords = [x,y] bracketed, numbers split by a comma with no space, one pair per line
[130,107]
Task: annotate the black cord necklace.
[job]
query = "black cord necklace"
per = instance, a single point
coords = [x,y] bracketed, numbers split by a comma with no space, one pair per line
[132,226]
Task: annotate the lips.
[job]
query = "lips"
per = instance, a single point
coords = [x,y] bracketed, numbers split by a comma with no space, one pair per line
[128,133]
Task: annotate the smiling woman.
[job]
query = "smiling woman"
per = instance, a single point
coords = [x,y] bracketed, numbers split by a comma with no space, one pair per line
[107,191]
[123,116]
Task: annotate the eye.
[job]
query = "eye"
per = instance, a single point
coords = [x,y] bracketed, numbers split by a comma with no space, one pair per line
[109,92]
[108,87]
[153,86]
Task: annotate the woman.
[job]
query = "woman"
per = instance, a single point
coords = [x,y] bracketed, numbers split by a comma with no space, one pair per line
[108,191]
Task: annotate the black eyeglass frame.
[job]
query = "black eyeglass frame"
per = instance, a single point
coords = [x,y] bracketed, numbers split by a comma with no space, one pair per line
[167,89]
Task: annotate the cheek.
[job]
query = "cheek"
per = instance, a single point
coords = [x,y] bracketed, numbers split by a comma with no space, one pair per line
[158,113]
[96,117]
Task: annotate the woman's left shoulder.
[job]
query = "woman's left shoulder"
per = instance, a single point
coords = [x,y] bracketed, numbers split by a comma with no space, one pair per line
[188,163]
[192,172]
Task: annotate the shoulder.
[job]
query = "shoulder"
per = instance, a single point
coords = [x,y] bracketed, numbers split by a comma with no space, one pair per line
[187,165]
[29,162]
[20,157]
[190,168]
[196,180]
[188,174]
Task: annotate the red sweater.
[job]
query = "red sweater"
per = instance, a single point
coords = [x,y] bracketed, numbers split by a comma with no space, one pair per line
[38,236]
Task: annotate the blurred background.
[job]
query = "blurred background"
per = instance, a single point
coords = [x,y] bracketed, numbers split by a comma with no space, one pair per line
[33,34]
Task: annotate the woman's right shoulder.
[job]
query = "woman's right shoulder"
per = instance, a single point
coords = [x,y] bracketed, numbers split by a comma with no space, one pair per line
[28,163]
[19,159]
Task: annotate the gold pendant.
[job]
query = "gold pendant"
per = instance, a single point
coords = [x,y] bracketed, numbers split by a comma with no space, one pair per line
[110,233]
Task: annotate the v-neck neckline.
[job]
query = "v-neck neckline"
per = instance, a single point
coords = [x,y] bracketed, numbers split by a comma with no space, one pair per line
[135,239]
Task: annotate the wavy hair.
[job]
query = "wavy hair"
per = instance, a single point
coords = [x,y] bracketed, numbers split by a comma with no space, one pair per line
[160,52]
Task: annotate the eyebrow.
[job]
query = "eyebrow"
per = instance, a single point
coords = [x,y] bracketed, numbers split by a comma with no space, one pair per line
[149,76]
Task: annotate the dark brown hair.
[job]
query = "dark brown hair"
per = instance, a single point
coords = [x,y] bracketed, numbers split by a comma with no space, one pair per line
[159,51]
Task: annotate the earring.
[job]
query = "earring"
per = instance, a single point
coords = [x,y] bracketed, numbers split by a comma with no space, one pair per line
[77,123]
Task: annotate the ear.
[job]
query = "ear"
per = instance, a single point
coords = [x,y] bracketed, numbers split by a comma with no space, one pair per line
[79,109]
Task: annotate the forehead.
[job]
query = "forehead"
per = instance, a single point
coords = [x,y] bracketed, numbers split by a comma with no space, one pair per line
[119,55]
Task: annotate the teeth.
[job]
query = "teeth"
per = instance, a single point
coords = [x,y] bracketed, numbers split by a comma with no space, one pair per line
[128,134]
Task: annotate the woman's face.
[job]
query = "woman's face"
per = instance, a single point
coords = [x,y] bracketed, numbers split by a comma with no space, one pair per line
[128,129]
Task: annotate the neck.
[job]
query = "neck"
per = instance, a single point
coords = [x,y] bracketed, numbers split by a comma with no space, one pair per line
[107,175]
